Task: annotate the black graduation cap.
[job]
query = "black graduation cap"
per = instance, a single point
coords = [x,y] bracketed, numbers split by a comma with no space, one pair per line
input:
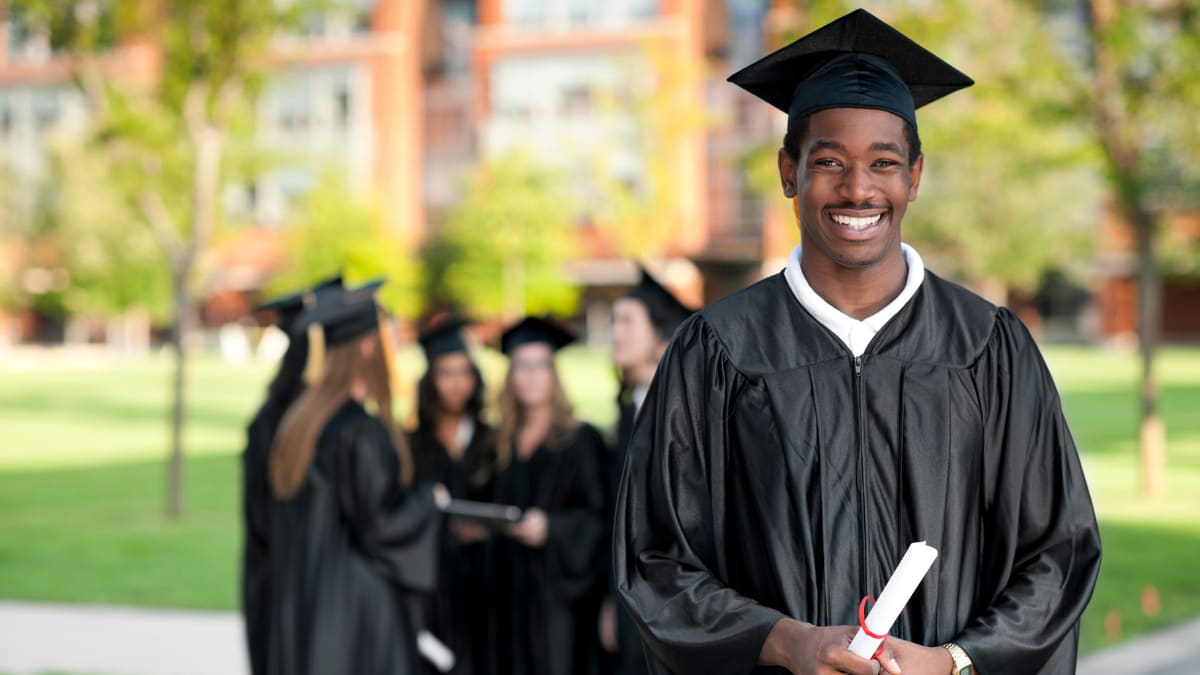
[344,314]
[289,307]
[665,310]
[857,61]
[444,338]
[534,329]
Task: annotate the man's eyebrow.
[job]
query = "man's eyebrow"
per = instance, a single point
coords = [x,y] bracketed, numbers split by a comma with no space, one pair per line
[828,145]
[880,146]
[877,146]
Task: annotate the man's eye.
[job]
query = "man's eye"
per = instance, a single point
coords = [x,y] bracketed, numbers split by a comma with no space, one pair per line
[826,162]
[887,163]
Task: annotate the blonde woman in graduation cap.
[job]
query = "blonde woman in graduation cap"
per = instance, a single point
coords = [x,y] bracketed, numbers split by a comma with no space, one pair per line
[547,563]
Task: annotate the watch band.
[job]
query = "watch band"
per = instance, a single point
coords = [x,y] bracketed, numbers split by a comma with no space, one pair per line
[962,662]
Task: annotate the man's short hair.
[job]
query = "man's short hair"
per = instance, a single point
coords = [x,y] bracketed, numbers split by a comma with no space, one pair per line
[797,131]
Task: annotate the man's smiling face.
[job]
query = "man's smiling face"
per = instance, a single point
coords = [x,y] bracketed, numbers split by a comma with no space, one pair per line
[853,181]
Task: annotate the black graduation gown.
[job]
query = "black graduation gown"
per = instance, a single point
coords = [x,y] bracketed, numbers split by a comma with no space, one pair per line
[346,552]
[771,474]
[630,658]
[457,614]
[256,501]
[542,592]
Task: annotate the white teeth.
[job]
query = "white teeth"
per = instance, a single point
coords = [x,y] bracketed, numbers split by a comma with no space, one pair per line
[857,223]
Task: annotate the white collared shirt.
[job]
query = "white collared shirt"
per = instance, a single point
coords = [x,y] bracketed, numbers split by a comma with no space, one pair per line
[639,396]
[855,334]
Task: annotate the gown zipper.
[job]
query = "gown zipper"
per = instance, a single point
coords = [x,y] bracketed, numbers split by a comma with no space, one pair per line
[860,443]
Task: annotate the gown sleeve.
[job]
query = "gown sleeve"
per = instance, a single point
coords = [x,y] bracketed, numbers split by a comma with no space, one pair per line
[1042,544]
[255,574]
[667,529]
[395,527]
[576,527]
[255,489]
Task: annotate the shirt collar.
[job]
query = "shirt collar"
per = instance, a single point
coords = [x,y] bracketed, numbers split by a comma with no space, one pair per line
[855,334]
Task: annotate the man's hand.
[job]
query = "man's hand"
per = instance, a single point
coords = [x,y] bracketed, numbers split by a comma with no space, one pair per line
[805,649]
[918,660]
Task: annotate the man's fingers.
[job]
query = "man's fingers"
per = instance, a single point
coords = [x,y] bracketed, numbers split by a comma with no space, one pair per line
[887,660]
[846,661]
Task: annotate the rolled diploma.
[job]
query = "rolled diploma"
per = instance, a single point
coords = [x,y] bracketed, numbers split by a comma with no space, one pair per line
[435,652]
[908,575]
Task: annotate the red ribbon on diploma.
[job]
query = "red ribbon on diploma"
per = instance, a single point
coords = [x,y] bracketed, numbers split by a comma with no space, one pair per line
[862,623]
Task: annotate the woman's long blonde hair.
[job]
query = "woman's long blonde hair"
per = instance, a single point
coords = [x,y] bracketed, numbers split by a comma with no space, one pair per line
[512,418]
[295,442]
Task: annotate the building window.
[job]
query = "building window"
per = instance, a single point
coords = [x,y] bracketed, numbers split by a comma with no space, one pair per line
[45,114]
[577,101]
[563,13]
[342,108]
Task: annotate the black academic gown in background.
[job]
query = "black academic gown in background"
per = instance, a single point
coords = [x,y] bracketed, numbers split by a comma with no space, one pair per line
[542,593]
[773,474]
[256,501]
[347,552]
[457,614]
[630,658]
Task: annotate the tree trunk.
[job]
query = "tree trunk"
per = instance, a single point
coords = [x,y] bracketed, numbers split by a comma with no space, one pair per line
[1153,431]
[1119,136]
[207,140]
[179,338]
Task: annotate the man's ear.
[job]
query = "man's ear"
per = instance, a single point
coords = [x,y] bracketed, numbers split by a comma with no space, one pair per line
[787,173]
[914,176]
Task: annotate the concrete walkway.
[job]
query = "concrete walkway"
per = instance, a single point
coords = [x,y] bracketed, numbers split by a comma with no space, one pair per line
[39,638]
[1174,651]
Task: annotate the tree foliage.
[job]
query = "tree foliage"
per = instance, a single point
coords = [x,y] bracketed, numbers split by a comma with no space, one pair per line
[112,260]
[503,248]
[333,232]
[1144,87]
[643,215]
[165,83]
[1011,187]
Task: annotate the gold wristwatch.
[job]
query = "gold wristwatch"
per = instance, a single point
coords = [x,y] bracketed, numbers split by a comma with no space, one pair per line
[962,662]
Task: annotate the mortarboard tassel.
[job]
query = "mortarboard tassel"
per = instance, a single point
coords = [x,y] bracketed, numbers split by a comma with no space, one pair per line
[314,368]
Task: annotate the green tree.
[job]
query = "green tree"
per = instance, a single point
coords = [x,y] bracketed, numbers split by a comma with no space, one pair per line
[333,232]
[659,99]
[999,156]
[112,259]
[503,248]
[164,127]
[1012,187]
[1144,84]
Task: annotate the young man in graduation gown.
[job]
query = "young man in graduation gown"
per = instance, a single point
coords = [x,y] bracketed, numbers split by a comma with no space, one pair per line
[643,321]
[285,387]
[800,434]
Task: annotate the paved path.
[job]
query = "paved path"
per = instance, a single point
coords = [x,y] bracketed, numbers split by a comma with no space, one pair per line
[38,638]
[1174,651]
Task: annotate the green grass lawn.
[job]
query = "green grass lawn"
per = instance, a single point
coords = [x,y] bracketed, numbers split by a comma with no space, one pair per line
[81,480]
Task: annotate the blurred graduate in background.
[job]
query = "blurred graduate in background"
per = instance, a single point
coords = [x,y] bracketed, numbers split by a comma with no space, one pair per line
[644,320]
[454,446]
[351,541]
[284,389]
[548,465]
